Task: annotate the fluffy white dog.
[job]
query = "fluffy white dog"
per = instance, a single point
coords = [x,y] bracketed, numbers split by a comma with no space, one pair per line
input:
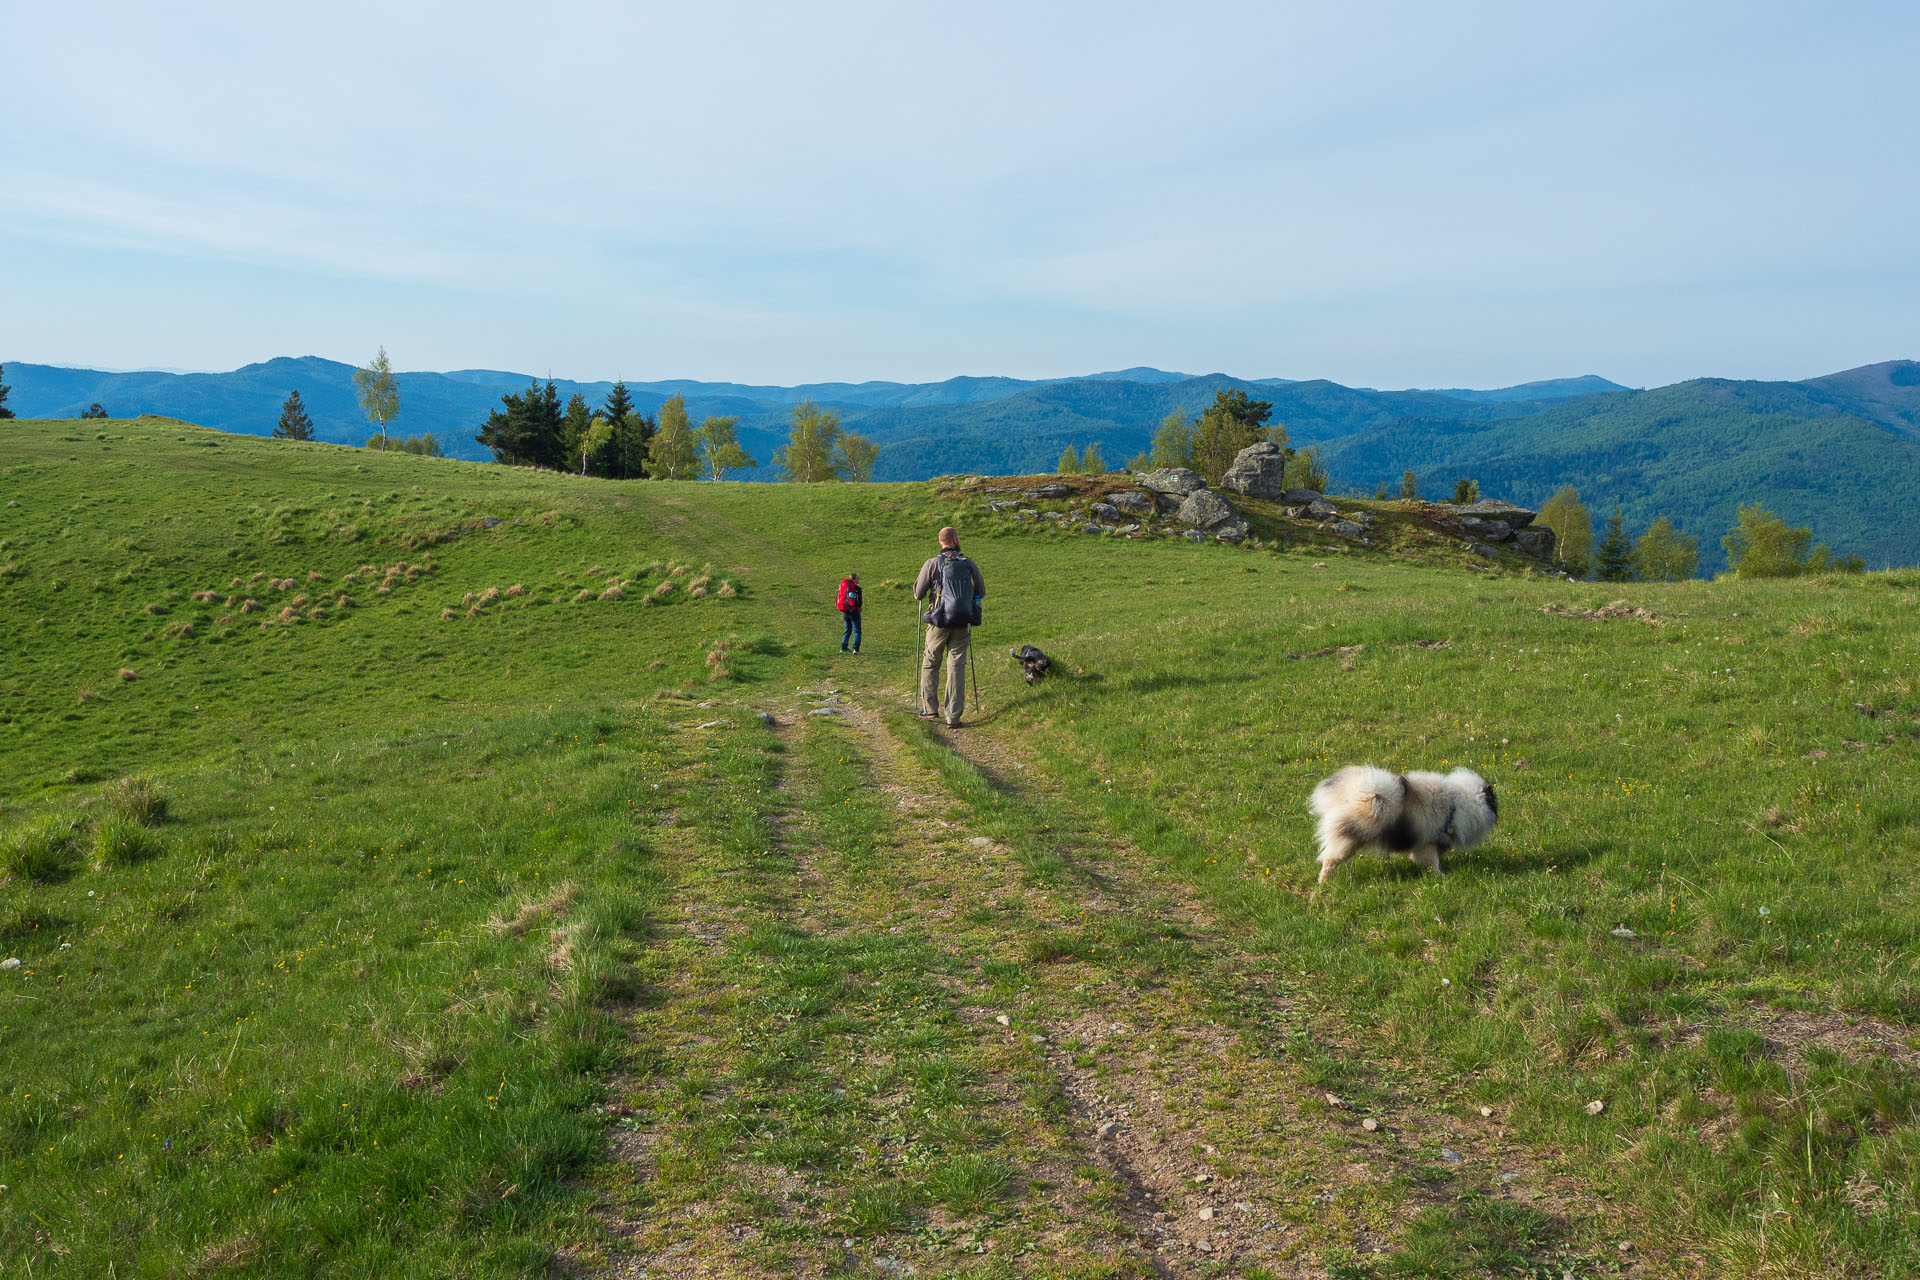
[1422,815]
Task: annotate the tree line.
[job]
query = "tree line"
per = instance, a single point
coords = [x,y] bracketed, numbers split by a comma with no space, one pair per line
[1760,545]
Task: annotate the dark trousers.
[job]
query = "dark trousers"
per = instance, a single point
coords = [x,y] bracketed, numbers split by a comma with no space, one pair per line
[852,632]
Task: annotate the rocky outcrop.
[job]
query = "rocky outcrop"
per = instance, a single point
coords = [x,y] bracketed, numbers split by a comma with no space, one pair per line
[1208,512]
[1105,511]
[1132,501]
[1505,512]
[1173,480]
[1258,471]
[1537,543]
[1046,492]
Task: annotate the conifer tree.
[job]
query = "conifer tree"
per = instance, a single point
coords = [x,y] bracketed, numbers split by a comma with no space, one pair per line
[1614,560]
[526,430]
[1466,492]
[94,410]
[1231,423]
[294,423]
[1409,485]
[4,388]
[626,455]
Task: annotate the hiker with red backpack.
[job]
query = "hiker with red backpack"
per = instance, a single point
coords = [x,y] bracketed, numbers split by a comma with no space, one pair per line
[849,606]
[956,587]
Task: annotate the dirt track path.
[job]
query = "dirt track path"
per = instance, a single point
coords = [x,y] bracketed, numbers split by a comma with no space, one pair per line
[866,987]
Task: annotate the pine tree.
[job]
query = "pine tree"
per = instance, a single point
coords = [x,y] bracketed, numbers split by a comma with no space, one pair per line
[1614,560]
[94,410]
[1466,492]
[294,423]
[1231,423]
[526,431]
[1409,486]
[624,457]
[4,388]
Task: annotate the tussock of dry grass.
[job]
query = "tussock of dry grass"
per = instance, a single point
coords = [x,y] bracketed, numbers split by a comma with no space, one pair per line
[446,614]
[88,695]
[517,590]
[344,602]
[726,591]
[249,605]
[288,615]
[313,575]
[383,590]
[223,620]
[128,673]
[156,608]
[534,911]
[205,597]
[583,595]
[300,601]
[664,590]
[137,798]
[613,593]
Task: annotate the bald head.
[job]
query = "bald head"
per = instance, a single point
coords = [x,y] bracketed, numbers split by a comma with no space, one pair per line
[948,538]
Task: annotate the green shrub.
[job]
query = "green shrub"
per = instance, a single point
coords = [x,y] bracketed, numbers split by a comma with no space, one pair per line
[121,841]
[42,850]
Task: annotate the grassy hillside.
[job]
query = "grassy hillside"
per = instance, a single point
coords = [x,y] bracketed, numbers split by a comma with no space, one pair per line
[486,900]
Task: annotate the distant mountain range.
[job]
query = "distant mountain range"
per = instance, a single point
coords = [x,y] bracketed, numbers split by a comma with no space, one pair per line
[1841,452]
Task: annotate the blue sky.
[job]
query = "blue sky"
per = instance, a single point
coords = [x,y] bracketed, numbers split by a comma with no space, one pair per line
[1395,194]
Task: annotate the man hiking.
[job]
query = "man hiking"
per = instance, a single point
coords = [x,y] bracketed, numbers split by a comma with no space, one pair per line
[849,606]
[956,587]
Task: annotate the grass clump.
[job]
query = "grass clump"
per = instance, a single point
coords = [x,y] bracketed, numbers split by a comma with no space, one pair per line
[967,1184]
[122,841]
[44,849]
[137,798]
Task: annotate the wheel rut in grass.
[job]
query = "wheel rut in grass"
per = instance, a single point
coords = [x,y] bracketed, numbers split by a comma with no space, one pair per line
[900,1027]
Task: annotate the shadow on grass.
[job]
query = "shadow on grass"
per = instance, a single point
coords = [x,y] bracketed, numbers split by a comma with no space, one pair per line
[1557,858]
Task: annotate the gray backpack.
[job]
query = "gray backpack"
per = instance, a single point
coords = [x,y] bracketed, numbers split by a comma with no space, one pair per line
[954,604]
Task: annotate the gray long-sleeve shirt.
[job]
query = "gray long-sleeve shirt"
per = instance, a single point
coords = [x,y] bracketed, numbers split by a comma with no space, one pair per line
[930,576]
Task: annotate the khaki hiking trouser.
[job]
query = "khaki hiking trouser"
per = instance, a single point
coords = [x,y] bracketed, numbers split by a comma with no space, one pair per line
[952,641]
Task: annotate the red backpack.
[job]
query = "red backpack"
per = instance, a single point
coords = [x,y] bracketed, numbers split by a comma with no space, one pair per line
[846,588]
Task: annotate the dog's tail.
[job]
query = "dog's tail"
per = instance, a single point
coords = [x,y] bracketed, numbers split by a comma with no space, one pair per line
[1362,797]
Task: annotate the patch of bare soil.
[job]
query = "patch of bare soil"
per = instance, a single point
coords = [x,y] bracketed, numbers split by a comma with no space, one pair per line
[1606,613]
[1790,1033]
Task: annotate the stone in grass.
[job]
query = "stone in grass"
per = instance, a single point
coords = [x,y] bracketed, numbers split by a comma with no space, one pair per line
[11,962]
[1451,1156]
[1370,1125]
[1333,1101]
[1622,932]
[1003,1019]
[1108,1129]
[824,711]
[1206,1213]
[1595,1107]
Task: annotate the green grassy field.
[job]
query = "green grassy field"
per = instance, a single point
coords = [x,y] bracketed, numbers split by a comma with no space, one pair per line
[426,868]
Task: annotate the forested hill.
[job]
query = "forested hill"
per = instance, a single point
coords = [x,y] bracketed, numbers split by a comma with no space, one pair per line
[1840,453]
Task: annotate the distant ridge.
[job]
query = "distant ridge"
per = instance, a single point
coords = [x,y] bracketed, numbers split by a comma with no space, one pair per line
[1840,453]
[1550,389]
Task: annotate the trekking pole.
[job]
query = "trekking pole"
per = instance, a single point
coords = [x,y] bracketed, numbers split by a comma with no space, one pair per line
[919,643]
[979,701]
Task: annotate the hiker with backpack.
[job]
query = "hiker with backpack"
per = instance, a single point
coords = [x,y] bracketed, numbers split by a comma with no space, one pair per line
[849,606]
[955,587]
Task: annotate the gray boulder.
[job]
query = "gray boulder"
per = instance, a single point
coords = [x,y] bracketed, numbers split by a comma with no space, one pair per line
[1505,512]
[1348,529]
[1234,530]
[1174,480]
[1259,471]
[1195,535]
[1133,502]
[1047,492]
[1105,511]
[1321,509]
[1487,530]
[1205,509]
[1537,543]
[1484,551]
